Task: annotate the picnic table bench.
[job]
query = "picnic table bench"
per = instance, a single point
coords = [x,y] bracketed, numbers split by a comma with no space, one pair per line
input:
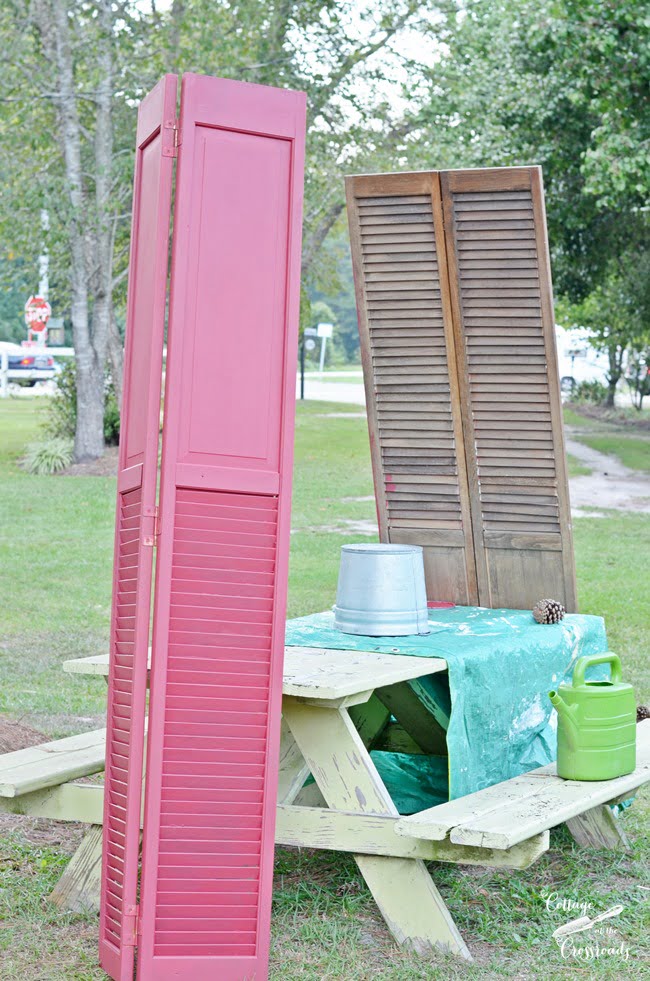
[334,703]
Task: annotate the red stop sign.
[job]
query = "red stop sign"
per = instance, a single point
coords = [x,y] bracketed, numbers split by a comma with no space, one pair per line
[37,313]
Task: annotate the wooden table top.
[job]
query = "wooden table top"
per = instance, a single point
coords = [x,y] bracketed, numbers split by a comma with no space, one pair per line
[318,672]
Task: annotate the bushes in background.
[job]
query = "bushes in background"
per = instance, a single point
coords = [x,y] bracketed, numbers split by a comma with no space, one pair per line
[590,392]
[61,411]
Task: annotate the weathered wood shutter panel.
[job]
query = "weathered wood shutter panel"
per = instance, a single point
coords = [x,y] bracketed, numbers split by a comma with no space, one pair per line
[505,341]
[221,574]
[458,349]
[135,525]
[407,349]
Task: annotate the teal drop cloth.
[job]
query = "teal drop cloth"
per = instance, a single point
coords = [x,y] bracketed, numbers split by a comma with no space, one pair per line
[501,667]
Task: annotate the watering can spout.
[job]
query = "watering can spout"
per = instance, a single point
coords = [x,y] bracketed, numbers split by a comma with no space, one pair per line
[567,714]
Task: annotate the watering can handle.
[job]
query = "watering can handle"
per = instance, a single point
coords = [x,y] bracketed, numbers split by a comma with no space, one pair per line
[591,659]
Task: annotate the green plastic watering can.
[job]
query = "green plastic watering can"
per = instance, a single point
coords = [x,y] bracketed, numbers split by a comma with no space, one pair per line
[596,733]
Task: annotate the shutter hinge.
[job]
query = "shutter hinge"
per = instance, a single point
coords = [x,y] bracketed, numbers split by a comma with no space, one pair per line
[171,138]
[150,528]
[130,926]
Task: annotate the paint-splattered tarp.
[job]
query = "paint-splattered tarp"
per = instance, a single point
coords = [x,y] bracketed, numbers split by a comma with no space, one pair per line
[501,667]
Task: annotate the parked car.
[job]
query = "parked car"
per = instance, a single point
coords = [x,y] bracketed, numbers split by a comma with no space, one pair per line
[578,360]
[28,365]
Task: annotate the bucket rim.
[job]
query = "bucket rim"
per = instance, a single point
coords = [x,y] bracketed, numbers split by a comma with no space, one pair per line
[382,548]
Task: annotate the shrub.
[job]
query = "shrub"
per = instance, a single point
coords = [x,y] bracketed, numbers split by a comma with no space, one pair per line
[638,376]
[111,415]
[61,411]
[50,457]
[592,392]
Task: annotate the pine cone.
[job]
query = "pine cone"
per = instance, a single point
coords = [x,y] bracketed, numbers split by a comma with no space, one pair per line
[642,712]
[548,611]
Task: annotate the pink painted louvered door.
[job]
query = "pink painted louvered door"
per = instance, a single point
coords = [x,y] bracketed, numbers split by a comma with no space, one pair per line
[221,574]
[134,534]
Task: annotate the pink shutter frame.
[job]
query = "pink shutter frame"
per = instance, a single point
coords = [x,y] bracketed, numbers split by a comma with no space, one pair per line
[134,528]
[221,574]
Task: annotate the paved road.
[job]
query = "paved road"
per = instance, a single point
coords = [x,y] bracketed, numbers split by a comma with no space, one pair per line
[350,392]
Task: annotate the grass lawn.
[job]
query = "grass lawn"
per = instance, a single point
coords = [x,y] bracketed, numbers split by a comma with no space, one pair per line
[626,436]
[55,565]
[633,453]
[575,467]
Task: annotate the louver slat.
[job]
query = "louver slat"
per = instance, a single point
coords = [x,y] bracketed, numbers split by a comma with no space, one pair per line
[138,461]
[221,573]
[502,301]
[407,348]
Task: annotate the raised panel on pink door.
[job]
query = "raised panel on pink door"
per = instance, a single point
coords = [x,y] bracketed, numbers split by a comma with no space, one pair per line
[221,575]
[134,527]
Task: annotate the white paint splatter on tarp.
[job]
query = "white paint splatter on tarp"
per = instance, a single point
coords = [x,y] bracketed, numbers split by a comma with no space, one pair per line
[532,716]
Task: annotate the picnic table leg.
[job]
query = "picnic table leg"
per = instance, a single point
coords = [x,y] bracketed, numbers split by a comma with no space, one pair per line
[370,719]
[598,828]
[78,889]
[293,770]
[348,779]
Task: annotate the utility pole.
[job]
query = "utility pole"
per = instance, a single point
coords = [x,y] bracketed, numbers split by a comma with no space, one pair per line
[308,343]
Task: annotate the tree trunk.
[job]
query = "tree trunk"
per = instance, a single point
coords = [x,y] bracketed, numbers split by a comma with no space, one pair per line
[103,280]
[89,434]
[116,358]
[174,53]
[614,374]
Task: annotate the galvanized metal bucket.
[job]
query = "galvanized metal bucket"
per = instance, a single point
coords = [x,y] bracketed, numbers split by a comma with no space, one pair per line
[381,591]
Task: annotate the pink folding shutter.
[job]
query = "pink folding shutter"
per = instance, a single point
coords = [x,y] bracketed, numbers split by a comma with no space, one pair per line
[221,574]
[135,526]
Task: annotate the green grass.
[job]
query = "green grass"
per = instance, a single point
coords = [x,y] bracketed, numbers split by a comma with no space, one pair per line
[633,453]
[55,580]
[20,425]
[55,568]
[572,418]
[575,467]
[624,435]
[38,942]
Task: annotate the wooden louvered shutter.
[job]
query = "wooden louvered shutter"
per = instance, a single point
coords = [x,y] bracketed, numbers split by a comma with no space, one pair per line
[407,349]
[221,574]
[512,417]
[136,499]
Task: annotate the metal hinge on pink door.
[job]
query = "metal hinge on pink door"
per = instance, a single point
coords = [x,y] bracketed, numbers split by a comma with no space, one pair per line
[171,138]
[131,926]
[150,526]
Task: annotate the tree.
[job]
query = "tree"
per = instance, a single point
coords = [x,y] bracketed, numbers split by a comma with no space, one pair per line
[341,56]
[617,314]
[528,81]
[73,73]
[638,375]
[337,288]
[12,300]
[62,81]
[562,83]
